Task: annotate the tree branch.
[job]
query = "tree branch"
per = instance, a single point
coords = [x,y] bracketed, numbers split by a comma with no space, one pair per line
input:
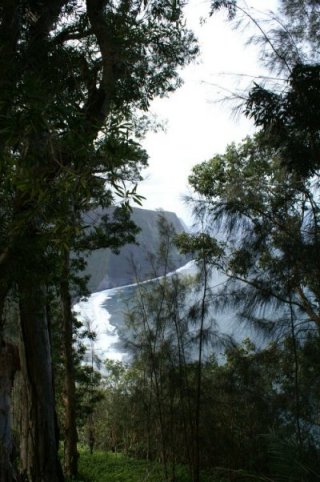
[307,306]
[71,34]
[99,101]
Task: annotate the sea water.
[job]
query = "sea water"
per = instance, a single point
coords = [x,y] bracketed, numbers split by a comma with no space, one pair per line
[104,313]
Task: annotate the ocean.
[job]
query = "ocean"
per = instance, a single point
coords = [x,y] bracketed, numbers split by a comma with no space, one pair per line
[104,313]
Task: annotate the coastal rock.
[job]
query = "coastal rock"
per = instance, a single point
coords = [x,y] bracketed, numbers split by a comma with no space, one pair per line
[108,270]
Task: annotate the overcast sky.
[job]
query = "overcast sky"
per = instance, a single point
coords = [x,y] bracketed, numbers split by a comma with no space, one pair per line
[198,125]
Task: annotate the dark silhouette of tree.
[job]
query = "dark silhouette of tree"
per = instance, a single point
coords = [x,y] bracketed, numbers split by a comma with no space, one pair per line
[74,76]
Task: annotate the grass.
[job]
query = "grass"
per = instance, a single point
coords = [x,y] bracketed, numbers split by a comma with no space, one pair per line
[110,467]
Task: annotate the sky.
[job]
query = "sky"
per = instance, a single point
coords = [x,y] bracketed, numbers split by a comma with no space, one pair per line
[198,124]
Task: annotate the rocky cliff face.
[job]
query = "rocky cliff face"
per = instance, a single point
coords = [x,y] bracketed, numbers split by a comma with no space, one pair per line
[108,270]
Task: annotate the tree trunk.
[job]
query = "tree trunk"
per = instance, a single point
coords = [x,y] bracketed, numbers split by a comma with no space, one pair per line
[197,462]
[9,364]
[70,428]
[41,459]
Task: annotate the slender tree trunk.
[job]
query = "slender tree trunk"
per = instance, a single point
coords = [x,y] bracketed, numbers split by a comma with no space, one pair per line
[196,477]
[184,396]
[70,429]
[24,422]
[296,376]
[42,464]
[164,447]
[91,437]
[9,364]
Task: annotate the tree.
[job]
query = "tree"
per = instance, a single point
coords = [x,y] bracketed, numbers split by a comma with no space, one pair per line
[262,197]
[264,192]
[73,76]
[270,219]
[156,319]
[169,328]
[205,252]
[286,37]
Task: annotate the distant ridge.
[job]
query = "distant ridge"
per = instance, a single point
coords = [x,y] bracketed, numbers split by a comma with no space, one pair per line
[108,270]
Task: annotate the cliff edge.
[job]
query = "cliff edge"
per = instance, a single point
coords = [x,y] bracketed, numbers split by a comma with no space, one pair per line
[108,270]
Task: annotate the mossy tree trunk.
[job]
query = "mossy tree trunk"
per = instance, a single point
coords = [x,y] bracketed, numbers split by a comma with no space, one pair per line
[41,457]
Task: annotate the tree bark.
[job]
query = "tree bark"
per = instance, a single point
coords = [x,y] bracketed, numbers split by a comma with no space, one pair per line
[41,458]
[9,364]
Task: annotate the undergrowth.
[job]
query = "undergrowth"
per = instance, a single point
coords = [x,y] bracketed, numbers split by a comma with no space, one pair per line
[110,467]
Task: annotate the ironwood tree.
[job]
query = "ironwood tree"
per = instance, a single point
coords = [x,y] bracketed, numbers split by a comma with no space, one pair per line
[262,196]
[264,192]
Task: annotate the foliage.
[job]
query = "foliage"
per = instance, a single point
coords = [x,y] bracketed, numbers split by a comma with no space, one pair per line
[107,466]
[75,78]
[230,5]
[290,120]
[271,219]
[259,202]
[248,412]
[255,414]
